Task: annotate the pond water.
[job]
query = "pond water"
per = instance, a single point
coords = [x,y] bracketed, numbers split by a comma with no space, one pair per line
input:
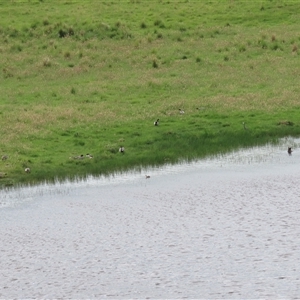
[225,227]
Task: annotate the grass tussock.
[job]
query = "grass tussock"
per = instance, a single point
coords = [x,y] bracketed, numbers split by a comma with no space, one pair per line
[74,82]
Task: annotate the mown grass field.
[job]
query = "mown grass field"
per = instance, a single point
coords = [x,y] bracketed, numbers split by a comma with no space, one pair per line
[82,77]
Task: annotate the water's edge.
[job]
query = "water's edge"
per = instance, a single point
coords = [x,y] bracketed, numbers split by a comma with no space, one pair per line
[261,157]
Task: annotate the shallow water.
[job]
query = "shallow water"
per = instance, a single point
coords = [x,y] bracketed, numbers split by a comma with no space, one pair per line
[226,227]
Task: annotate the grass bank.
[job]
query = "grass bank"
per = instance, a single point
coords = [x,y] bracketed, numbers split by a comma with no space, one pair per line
[80,78]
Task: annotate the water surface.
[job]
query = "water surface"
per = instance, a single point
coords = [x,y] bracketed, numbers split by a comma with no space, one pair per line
[225,227]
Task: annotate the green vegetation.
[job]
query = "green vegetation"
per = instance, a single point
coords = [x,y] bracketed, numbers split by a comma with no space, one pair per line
[82,77]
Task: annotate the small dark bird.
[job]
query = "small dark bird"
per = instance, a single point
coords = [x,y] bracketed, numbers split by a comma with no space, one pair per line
[290,150]
[121,149]
[147,176]
[156,122]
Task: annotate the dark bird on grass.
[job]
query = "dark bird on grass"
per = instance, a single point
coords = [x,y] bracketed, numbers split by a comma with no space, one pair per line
[156,123]
[27,170]
[181,111]
[121,149]
[290,150]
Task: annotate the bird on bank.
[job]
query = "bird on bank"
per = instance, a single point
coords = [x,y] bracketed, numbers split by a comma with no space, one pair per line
[181,111]
[27,170]
[290,150]
[121,149]
[200,108]
[156,123]
[89,156]
[4,157]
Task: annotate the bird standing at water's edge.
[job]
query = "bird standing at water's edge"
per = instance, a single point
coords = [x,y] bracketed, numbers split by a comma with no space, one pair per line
[290,150]
[122,149]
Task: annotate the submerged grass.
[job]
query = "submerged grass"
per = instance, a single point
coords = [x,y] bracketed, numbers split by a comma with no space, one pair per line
[88,77]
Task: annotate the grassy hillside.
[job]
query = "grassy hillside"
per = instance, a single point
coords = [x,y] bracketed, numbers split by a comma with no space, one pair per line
[80,77]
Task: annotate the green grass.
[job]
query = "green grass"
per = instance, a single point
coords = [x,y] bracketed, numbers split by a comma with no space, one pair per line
[79,78]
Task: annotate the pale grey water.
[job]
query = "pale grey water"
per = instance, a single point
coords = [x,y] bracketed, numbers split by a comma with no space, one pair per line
[219,228]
